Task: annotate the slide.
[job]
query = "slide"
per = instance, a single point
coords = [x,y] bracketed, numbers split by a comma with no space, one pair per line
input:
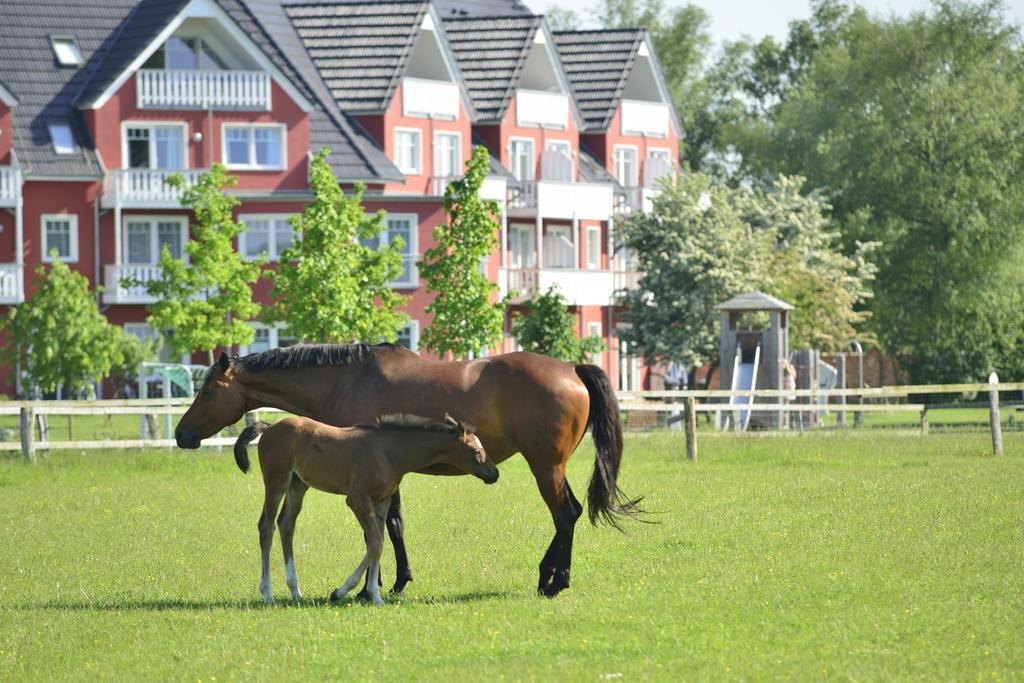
[744,378]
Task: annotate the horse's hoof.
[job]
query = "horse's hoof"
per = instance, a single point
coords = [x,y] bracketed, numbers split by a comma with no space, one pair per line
[363,596]
[400,584]
[336,596]
[552,589]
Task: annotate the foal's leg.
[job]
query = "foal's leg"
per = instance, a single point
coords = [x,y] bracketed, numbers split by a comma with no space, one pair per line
[363,509]
[565,510]
[286,526]
[373,577]
[274,487]
[396,532]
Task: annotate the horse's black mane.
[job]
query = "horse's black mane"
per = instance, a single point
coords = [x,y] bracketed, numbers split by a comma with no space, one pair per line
[307,356]
[404,422]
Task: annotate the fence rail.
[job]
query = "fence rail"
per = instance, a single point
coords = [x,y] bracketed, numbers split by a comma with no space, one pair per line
[684,402]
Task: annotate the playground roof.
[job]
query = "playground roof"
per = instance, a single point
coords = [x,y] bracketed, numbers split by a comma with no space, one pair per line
[754,301]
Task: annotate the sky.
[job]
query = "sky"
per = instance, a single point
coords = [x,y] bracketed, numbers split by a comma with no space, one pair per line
[731,19]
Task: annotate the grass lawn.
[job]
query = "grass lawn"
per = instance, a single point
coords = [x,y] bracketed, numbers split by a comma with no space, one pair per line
[849,555]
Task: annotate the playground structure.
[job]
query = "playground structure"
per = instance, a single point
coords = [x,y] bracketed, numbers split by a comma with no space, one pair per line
[170,375]
[752,356]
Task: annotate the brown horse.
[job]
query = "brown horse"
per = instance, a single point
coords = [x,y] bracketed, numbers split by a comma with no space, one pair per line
[366,463]
[519,402]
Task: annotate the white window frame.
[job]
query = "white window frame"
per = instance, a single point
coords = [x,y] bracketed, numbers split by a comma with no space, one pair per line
[73,58]
[418,169]
[414,335]
[458,151]
[591,231]
[274,336]
[533,158]
[72,219]
[252,165]
[412,247]
[636,164]
[154,235]
[272,253]
[125,125]
[61,126]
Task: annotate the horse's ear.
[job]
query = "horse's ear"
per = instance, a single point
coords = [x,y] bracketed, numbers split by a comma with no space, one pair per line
[224,362]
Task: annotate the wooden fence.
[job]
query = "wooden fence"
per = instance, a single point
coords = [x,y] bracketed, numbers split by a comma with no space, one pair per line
[687,403]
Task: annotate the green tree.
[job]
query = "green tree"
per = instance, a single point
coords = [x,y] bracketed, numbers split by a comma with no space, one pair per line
[58,338]
[548,327]
[912,126]
[132,353]
[206,303]
[561,19]
[466,319]
[331,284]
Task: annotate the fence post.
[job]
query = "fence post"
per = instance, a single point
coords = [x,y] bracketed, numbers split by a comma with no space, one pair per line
[924,421]
[690,419]
[993,416]
[28,433]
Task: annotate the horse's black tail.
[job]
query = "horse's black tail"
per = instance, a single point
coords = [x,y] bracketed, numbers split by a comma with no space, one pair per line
[242,444]
[605,499]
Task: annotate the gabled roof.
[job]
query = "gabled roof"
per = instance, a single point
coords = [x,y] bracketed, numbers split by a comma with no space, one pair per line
[361,49]
[598,64]
[754,301]
[480,8]
[491,52]
[593,171]
[111,35]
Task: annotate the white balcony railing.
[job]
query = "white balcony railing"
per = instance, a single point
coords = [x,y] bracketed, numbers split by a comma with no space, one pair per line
[579,287]
[145,188]
[438,184]
[631,200]
[644,118]
[10,185]
[563,200]
[556,166]
[534,108]
[654,170]
[115,293]
[181,89]
[11,279]
[430,99]
[627,279]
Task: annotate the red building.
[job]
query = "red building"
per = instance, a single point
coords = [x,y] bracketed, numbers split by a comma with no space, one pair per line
[98,105]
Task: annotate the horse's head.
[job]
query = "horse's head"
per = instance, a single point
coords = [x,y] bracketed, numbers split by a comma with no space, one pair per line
[469,455]
[219,403]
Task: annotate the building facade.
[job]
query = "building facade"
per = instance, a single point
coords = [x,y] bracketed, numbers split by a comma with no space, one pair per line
[98,106]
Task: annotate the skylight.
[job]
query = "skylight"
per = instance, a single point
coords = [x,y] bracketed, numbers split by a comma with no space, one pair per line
[66,50]
[63,140]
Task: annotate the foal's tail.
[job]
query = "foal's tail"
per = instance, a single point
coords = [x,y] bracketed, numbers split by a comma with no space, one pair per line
[244,439]
[605,499]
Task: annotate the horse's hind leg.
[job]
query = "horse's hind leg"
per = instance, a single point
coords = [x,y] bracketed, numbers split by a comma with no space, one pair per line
[565,510]
[286,526]
[274,485]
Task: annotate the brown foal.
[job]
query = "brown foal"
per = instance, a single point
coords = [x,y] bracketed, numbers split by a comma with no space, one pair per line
[364,463]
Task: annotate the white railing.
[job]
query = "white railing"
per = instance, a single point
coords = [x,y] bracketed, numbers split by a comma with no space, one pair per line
[430,99]
[522,281]
[11,290]
[534,108]
[10,185]
[654,170]
[438,184]
[579,287]
[174,89]
[143,187]
[555,166]
[630,201]
[627,279]
[116,293]
[524,196]
[644,118]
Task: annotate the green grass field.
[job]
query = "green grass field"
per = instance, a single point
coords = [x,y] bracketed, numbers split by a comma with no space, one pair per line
[849,556]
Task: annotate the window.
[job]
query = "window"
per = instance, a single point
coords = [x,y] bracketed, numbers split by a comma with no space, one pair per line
[594,247]
[268,235]
[659,165]
[558,248]
[60,234]
[446,155]
[268,337]
[556,163]
[185,53]
[522,246]
[254,147]
[156,147]
[408,143]
[625,166]
[60,134]
[523,164]
[404,226]
[409,336]
[66,50]
[145,239]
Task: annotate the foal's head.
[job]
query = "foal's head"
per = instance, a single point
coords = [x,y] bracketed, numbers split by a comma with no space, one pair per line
[219,403]
[468,454]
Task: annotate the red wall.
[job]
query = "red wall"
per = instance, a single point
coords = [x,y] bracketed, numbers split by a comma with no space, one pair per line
[508,130]
[106,126]
[603,145]
[60,197]
[6,122]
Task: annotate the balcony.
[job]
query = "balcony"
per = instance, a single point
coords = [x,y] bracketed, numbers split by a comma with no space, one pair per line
[580,287]
[115,293]
[438,184]
[430,99]
[541,109]
[181,89]
[644,118]
[562,200]
[627,279]
[145,188]
[633,200]
[10,185]
[11,283]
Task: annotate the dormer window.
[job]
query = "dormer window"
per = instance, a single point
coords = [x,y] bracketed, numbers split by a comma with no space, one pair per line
[187,54]
[60,134]
[65,49]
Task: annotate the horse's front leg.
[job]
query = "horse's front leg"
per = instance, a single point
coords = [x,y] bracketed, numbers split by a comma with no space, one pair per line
[396,532]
